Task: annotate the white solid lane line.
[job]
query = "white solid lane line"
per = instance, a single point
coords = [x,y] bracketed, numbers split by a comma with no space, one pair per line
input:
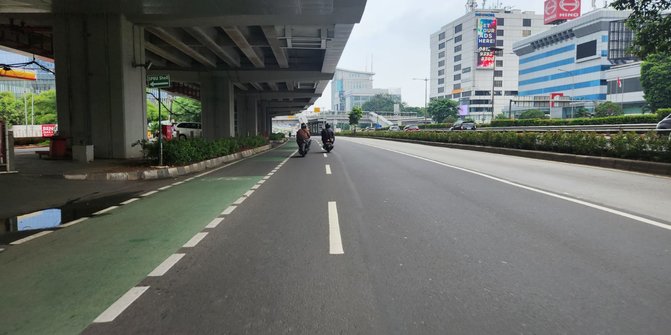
[194,240]
[328,169]
[71,223]
[120,305]
[105,210]
[164,188]
[129,201]
[335,241]
[31,237]
[580,202]
[248,193]
[166,265]
[149,193]
[214,223]
[178,183]
[239,201]
[229,210]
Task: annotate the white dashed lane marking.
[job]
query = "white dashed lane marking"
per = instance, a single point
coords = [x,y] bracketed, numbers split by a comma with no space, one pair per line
[328,169]
[166,265]
[214,223]
[194,240]
[120,305]
[105,210]
[335,241]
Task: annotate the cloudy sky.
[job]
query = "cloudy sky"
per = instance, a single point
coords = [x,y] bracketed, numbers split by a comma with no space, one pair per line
[396,33]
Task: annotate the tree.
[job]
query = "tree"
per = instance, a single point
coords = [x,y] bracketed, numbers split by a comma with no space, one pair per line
[186,109]
[532,114]
[608,108]
[439,109]
[45,107]
[11,110]
[655,74]
[450,119]
[381,103]
[650,25]
[582,112]
[355,115]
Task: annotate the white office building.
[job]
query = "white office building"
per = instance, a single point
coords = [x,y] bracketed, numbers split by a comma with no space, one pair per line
[464,68]
[572,60]
[350,89]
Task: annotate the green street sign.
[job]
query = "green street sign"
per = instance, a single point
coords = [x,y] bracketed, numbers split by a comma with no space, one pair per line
[158,81]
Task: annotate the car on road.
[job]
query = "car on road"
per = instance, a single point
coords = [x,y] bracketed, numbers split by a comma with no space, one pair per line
[411,127]
[464,126]
[665,123]
[394,128]
[184,130]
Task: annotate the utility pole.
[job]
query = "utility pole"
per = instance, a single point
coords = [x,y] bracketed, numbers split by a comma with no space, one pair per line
[426,81]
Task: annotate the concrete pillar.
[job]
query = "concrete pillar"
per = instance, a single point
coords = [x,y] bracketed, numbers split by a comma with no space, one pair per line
[262,114]
[252,116]
[218,106]
[100,94]
[241,110]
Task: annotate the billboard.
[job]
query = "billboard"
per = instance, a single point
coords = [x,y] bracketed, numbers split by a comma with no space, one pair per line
[486,33]
[561,10]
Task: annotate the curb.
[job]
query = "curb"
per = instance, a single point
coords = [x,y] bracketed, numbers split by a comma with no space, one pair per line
[170,172]
[604,162]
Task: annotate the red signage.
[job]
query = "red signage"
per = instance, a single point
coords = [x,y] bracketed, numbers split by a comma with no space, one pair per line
[553,98]
[48,130]
[561,10]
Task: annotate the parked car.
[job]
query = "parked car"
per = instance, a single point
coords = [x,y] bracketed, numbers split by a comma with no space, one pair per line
[665,123]
[184,130]
[464,126]
[411,128]
[394,128]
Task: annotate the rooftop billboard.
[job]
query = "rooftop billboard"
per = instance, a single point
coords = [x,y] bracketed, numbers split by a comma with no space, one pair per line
[561,10]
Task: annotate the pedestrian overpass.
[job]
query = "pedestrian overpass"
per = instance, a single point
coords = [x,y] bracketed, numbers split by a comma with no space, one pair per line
[246,61]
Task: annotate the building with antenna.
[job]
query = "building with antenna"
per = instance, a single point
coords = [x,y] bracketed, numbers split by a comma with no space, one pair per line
[464,67]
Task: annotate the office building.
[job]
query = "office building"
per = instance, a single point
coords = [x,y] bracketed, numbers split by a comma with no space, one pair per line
[45,80]
[350,89]
[572,59]
[464,68]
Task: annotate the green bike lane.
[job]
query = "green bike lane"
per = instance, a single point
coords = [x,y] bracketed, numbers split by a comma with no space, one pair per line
[60,282]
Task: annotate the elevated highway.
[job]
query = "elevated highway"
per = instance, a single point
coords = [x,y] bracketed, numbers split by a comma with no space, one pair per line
[246,61]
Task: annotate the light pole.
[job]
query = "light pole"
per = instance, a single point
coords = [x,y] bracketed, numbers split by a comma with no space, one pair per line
[426,81]
[572,87]
[494,50]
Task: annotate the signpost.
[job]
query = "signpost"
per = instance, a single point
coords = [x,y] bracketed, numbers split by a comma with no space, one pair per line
[159,81]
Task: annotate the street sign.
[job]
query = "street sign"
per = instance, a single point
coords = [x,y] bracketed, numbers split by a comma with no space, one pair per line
[158,81]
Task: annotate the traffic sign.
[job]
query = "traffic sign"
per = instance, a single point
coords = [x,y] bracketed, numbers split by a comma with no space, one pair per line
[158,81]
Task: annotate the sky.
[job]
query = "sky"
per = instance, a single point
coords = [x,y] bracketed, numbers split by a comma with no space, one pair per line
[395,34]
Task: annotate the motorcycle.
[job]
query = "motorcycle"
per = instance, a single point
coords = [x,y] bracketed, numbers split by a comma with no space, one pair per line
[328,145]
[304,147]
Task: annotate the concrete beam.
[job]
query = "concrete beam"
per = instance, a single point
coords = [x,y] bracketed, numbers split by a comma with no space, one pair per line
[257,86]
[289,95]
[273,86]
[241,86]
[172,37]
[173,57]
[239,39]
[274,42]
[246,76]
[290,85]
[208,37]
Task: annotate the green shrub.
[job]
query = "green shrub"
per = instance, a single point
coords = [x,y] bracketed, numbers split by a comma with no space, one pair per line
[276,136]
[623,119]
[194,150]
[650,146]
[662,113]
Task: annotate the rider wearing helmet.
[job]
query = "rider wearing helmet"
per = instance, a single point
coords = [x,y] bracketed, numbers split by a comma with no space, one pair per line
[303,137]
[327,134]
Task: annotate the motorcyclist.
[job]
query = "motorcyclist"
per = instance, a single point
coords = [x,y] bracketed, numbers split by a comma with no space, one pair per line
[327,134]
[303,138]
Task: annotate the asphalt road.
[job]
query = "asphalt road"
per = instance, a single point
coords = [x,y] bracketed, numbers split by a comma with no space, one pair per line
[375,238]
[428,241]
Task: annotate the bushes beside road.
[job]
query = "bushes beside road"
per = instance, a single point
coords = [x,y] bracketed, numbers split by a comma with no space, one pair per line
[649,147]
[194,150]
[624,119]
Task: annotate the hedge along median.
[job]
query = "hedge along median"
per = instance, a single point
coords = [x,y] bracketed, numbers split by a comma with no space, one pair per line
[182,152]
[624,119]
[647,147]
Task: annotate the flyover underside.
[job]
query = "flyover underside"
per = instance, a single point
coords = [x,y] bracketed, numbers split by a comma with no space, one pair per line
[248,60]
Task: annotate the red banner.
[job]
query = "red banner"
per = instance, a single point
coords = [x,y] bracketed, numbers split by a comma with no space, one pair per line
[48,130]
[561,10]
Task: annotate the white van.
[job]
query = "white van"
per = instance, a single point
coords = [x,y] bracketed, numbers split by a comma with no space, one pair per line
[184,130]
